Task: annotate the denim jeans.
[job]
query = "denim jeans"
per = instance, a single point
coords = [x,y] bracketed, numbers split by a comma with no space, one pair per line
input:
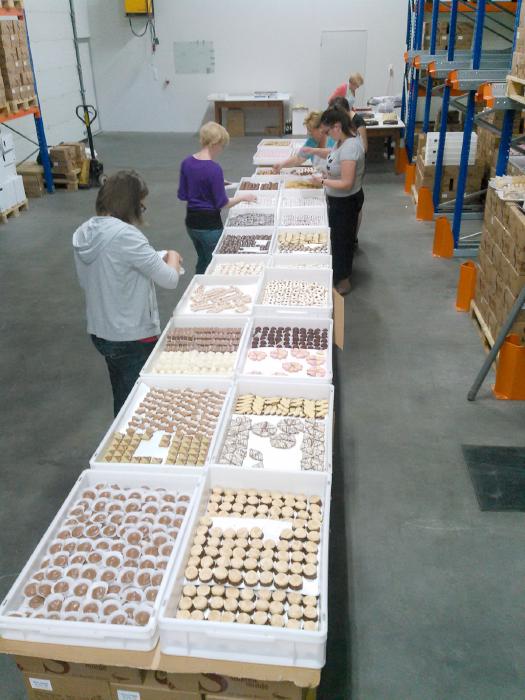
[124,359]
[204,241]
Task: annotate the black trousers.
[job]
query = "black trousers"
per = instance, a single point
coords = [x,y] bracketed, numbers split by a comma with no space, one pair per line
[343,215]
[124,360]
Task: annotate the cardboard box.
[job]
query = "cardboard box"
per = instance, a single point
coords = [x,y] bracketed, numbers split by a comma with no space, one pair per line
[44,687]
[63,669]
[235,122]
[222,686]
[139,692]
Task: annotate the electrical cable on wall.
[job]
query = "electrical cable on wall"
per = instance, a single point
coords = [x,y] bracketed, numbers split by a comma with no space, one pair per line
[150,24]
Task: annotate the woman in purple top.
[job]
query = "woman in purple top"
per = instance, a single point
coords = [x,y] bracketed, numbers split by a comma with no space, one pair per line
[201,185]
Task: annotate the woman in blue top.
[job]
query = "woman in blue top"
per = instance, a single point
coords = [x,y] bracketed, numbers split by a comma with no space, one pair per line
[201,186]
[316,139]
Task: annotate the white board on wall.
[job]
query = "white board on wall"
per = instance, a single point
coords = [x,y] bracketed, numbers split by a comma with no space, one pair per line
[342,52]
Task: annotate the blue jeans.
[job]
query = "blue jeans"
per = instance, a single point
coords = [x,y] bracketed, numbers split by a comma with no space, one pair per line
[204,241]
[124,360]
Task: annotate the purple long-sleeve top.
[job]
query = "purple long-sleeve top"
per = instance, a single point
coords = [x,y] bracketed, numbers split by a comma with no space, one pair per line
[201,184]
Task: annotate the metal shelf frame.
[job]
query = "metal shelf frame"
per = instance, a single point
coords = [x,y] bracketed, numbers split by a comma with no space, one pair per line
[466,73]
[41,142]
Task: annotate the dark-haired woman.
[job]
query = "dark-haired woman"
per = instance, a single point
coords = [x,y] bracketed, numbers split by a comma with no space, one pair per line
[117,269]
[345,167]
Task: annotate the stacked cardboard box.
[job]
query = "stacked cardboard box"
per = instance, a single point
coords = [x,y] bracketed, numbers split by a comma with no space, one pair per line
[59,680]
[501,268]
[488,142]
[518,58]
[425,175]
[15,65]
[464,34]
[235,122]
[66,163]
[33,177]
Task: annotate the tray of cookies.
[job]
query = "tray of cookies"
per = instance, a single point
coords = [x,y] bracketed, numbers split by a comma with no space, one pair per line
[245,240]
[219,295]
[101,570]
[295,292]
[253,582]
[167,424]
[242,265]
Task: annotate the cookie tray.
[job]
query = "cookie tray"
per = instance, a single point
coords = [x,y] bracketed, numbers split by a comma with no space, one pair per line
[269,321]
[268,386]
[198,322]
[244,230]
[138,393]
[302,260]
[250,643]
[321,276]
[248,258]
[320,212]
[292,229]
[249,285]
[89,634]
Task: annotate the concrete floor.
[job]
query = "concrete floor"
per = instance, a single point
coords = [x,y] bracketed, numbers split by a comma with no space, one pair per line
[427,594]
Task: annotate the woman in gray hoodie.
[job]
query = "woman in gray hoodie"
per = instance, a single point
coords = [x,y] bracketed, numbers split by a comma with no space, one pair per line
[117,268]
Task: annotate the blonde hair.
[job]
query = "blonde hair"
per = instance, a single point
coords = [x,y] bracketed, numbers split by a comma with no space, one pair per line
[357,78]
[212,134]
[313,120]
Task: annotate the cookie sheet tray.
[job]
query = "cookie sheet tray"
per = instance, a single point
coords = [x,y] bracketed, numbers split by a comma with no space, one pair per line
[151,447]
[320,276]
[247,285]
[92,634]
[247,369]
[270,388]
[251,643]
[197,322]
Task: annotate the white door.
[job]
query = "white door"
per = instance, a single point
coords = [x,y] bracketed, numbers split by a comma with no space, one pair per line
[342,53]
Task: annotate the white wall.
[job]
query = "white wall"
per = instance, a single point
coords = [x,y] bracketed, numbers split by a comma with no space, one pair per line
[51,39]
[258,46]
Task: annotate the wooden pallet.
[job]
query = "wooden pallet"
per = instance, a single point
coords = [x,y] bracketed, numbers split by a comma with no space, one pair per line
[516,88]
[414,195]
[13,211]
[481,326]
[22,105]
[68,185]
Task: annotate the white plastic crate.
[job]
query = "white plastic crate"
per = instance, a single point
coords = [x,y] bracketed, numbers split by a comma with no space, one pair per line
[241,259]
[320,276]
[453,148]
[234,212]
[276,247]
[261,180]
[243,231]
[142,387]
[267,368]
[276,143]
[304,180]
[302,198]
[103,635]
[251,643]
[302,260]
[271,386]
[267,155]
[248,285]
[266,199]
[197,322]
[297,217]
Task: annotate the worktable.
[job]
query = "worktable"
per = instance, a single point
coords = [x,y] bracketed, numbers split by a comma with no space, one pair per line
[274,100]
[384,130]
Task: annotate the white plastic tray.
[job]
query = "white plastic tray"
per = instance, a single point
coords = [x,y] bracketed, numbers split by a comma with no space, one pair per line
[100,634]
[290,229]
[299,377]
[320,213]
[243,231]
[267,199]
[249,285]
[308,275]
[234,211]
[251,643]
[302,260]
[142,387]
[197,322]
[264,179]
[241,258]
[296,198]
[269,386]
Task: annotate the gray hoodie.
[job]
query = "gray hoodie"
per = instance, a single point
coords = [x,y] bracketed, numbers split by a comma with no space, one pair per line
[116,267]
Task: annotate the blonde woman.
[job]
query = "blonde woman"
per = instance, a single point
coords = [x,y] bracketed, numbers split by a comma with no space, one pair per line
[201,186]
[316,139]
[349,89]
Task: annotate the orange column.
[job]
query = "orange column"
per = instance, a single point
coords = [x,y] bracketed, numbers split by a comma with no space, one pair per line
[510,373]
[466,285]
[425,205]
[410,177]
[443,246]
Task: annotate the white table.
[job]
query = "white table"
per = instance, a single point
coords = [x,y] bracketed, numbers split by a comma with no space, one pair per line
[270,100]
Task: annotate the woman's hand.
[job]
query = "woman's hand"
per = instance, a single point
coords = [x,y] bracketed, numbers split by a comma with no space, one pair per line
[173,259]
[277,168]
[307,150]
[317,179]
[247,197]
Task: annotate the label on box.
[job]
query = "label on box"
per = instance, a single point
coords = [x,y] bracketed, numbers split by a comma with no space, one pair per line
[40,684]
[128,694]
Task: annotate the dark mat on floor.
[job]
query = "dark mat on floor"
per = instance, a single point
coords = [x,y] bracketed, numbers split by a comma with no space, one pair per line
[498,476]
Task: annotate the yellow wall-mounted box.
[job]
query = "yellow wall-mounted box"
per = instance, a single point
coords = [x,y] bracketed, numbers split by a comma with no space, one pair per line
[138,7]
